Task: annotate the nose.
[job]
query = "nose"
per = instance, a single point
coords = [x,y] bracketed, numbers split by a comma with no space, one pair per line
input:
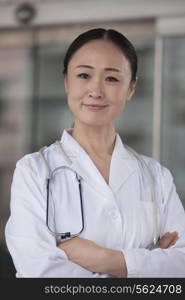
[95,90]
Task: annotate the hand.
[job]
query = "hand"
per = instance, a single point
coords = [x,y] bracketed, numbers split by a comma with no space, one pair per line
[94,258]
[168,239]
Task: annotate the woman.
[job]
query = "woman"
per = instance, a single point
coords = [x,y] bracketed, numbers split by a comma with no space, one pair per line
[117,221]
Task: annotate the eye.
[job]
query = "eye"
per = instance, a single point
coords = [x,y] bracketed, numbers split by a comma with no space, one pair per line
[83,75]
[111,79]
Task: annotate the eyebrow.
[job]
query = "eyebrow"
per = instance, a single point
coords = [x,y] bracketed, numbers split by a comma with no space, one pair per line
[106,69]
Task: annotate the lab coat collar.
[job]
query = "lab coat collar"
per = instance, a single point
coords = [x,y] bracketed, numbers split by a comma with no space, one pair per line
[122,164]
[70,145]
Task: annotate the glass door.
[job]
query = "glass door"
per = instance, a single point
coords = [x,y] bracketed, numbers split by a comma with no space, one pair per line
[135,125]
[33,104]
[16,93]
[173,110]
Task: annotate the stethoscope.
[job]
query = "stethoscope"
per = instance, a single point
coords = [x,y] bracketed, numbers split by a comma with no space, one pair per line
[49,177]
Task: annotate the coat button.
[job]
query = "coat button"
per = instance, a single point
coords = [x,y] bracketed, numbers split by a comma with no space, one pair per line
[114,213]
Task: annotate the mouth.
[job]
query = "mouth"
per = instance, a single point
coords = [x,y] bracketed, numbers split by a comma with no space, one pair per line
[95,107]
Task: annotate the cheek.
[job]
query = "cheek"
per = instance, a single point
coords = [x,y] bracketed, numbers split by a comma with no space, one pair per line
[75,91]
[118,96]
[74,97]
[118,101]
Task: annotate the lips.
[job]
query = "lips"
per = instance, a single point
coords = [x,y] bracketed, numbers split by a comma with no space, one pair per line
[95,106]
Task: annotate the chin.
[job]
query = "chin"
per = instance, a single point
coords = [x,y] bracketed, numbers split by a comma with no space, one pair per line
[95,123]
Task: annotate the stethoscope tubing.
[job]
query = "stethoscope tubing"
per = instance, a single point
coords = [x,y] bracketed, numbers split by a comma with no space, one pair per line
[64,235]
[49,175]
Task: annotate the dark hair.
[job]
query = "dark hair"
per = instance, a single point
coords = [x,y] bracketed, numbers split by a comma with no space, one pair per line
[107,34]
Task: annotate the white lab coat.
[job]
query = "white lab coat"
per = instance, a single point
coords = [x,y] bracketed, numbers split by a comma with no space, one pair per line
[117,216]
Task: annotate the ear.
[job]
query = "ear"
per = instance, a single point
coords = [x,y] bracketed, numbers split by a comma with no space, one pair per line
[65,83]
[131,90]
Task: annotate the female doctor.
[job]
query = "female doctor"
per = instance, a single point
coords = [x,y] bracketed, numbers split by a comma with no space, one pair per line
[88,205]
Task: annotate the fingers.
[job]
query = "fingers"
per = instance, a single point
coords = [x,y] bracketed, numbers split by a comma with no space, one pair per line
[174,239]
[168,239]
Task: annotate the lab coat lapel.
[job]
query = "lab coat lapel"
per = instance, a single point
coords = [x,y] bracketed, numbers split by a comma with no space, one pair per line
[123,165]
[83,165]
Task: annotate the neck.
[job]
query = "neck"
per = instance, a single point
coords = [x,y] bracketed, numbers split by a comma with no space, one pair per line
[95,140]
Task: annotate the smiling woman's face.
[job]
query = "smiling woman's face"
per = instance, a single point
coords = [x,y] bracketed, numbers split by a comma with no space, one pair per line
[98,83]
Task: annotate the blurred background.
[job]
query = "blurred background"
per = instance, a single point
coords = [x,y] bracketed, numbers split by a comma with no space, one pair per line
[34,36]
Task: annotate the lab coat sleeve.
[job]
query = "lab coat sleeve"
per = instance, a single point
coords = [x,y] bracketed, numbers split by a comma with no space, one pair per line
[142,263]
[31,245]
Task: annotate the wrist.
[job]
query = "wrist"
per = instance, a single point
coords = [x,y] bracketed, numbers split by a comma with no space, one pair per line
[113,262]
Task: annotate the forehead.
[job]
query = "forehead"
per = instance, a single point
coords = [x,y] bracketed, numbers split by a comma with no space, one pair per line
[101,52]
